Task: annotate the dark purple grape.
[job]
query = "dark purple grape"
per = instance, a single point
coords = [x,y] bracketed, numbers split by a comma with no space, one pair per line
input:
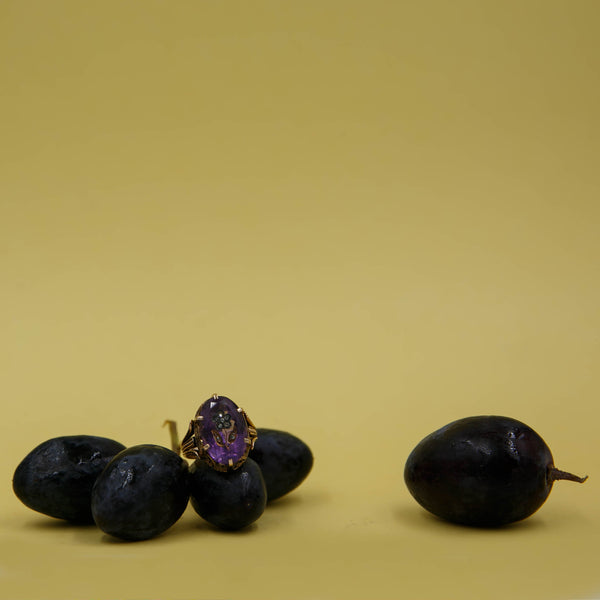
[483,471]
[284,459]
[56,477]
[230,500]
[141,493]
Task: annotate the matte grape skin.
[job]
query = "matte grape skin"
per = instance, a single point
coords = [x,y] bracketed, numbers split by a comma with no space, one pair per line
[231,500]
[142,492]
[56,477]
[482,471]
[284,459]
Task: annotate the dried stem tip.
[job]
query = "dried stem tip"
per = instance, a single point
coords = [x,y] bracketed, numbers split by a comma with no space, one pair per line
[556,474]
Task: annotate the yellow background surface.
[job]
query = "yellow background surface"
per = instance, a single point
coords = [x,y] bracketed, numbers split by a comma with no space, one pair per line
[359,220]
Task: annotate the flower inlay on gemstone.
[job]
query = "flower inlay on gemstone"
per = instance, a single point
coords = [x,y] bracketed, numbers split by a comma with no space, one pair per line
[222,420]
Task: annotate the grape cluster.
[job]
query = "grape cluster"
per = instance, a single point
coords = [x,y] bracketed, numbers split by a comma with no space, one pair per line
[139,492]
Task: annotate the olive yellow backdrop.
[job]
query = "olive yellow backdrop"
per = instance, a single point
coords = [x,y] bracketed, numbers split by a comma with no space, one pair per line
[359,220]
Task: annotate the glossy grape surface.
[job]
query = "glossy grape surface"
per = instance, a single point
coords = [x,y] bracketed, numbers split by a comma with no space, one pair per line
[482,471]
[231,500]
[284,459]
[141,493]
[56,477]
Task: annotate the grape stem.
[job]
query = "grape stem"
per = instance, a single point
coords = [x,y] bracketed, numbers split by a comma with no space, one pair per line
[556,474]
[172,425]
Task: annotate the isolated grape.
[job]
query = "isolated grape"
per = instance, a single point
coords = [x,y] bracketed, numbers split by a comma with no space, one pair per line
[482,471]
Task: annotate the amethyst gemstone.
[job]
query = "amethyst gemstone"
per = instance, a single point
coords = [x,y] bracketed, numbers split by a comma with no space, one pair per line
[223,432]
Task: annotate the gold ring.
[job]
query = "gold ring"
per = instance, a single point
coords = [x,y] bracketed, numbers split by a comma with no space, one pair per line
[221,434]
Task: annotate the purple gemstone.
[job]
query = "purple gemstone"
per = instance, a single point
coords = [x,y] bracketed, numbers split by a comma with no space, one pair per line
[223,432]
